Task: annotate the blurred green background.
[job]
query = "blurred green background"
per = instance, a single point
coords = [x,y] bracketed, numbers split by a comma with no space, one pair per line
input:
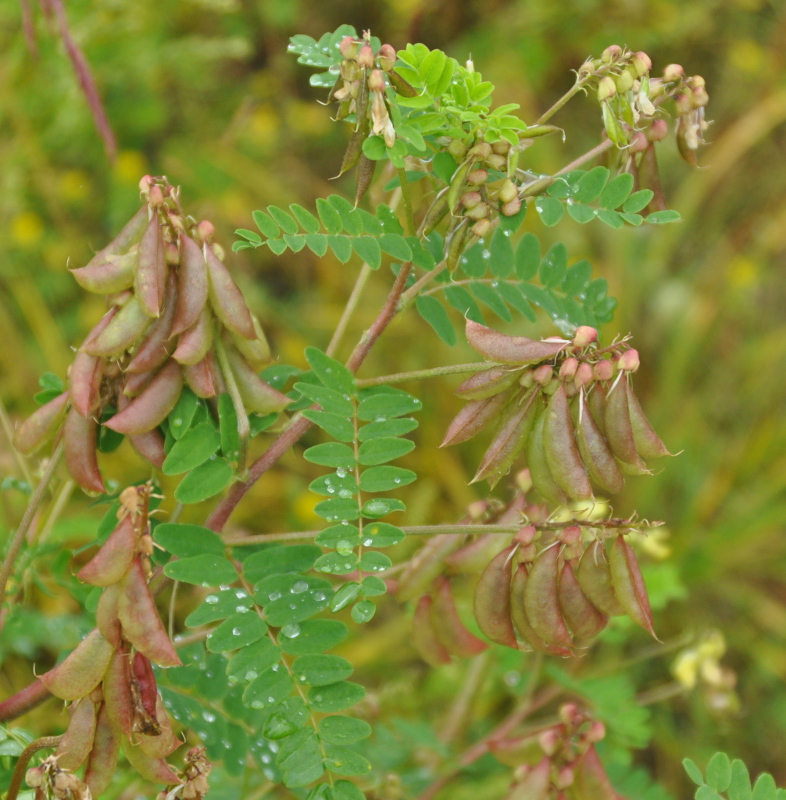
[204,92]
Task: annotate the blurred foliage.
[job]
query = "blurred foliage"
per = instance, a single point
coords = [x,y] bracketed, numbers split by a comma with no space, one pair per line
[204,92]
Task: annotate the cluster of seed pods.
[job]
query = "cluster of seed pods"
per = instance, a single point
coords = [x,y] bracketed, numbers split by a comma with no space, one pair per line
[558,762]
[108,679]
[568,406]
[176,318]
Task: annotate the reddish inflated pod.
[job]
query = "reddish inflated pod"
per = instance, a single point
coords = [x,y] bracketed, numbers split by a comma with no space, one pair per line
[149,445]
[477,177]
[497,346]
[151,769]
[562,452]
[129,235]
[114,274]
[41,425]
[598,459]
[255,351]
[139,617]
[590,780]
[79,439]
[618,428]
[156,347]
[192,288]
[596,406]
[77,742]
[648,443]
[117,693]
[151,274]
[165,742]
[475,416]
[133,385]
[541,600]
[114,557]
[257,395]
[193,344]
[101,766]
[539,470]
[99,326]
[450,630]
[425,566]
[629,361]
[82,670]
[84,382]
[107,620]
[202,378]
[492,600]
[509,440]
[124,330]
[142,671]
[535,785]
[151,407]
[226,298]
[581,616]
[423,636]
[594,577]
[629,586]
[487,383]
[511,208]
[473,557]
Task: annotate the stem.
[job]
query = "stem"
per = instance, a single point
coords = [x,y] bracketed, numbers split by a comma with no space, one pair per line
[32,509]
[574,90]
[349,309]
[588,156]
[243,425]
[57,508]
[411,227]
[18,457]
[24,759]
[300,425]
[424,280]
[418,374]
[462,705]
[23,701]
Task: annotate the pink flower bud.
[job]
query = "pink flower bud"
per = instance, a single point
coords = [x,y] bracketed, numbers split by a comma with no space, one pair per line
[565,778]
[585,335]
[606,88]
[683,103]
[145,183]
[376,80]
[550,741]
[387,57]
[658,130]
[596,733]
[611,53]
[528,533]
[205,231]
[501,148]
[155,196]
[699,94]
[481,150]
[629,361]
[639,143]
[477,177]
[512,208]
[568,368]
[478,211]
[642,63]
[603,370]
[366,57]
[470,199]
[584,375]
[543,374]
[476,510]
[568,712]
[508,191]
[348,47]
[673,73]
[481,228]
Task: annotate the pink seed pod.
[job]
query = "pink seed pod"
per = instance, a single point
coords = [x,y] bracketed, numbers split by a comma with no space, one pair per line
[348,47]
[508,191]
[606,88]
[583,376]
[376,80]
[478,212]
[638,143]
[550,741]
[481,228]
[501,148]
[471,199]
[596,732]
[482,150]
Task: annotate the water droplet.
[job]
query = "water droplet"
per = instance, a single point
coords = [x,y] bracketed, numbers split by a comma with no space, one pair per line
[319,596]
[328,369]
[318,698]
[273,596]
[341,472]
[265,758]
[512,678]
[345,493]
[299,587]
[211,599]
[332,490]
[241,593]
[347,567]
[291,631]
[486,255]
[301,678]
[275,667]
[251,674]
[242,609]
[368,542]
[380,418]
[269,774]
[208,717]
[271,700]
[224,588]
[177,422]
[396,480]
[292,606]
[494,284]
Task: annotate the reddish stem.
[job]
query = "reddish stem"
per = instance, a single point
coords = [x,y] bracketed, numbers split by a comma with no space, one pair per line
[23,701]
[291,435]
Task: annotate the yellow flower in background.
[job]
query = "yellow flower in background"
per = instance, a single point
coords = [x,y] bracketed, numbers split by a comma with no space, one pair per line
[130,166]
[27,228]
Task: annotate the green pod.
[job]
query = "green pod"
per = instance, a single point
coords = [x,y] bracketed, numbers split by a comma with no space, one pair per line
[192,285]
[106,615]
[562,452]
[114,274]
[475,416]
[402,87]
[227,299]
[619,431]
[79,440]
[364,176]
[594,577]
[454,244]
[82,670]
[257,396]
[77,742]
[114,557]
[598,460]
[541,599]
[450,630]
[101,767]
[423,636]
[539,470]
[581,616]
[648,443]
[457,182]
[492,600]
[425,566]
[436,213]
[193,344]
[151,273]
[41,425]
[255,351]
[526,633]
[123,330]
[629,586]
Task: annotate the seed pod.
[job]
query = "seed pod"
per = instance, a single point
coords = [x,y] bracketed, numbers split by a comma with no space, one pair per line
[151,769]
[581,616]
[598,459]
[492,600]
[255,351]
[487,383]
[77,741]
[257,396]
[509,439]
[474,417]
[497,346]
[82,670]
[84,382]
[535,785]
[142,673]
[436,212]
[629,586]
[202,378]
[130,234]
[596,406]
[619,431]
[192,285]
[103,757]
[114,557]
[449,628]
[364,177]
[156,348]
[194,343]
[594,577]
[457,182]
[122,331]
[106,615]
[473,557]
[165,742]
[112,275]
[149,445]
[152,406]
[454,244]
[151,274]
[404,88]
[539,470]
[648,443]
[423,636]
[226,298]
[590,780]
[359,135]
[117,693]
[541,600]
[79,438]
[139,617]
[424,567]
[41,425]
[562,453]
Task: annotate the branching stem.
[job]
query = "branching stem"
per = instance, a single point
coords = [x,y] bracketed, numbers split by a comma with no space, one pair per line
[44,743]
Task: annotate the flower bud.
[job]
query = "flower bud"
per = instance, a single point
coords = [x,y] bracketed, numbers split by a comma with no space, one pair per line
[639,143]
[376,80]
[497,162]
[611,53]
[629,361]
[565,778]
[470,199]
[477,510]
[366,57]
[512,208]
[387,57]
[658,130]
[205,231]
[155,196]
[500,148]
[524,484]
[508,191]
[642,63]
[699,94]
[457,149]
[348,47]
[34,777]
[550,741]
[683,103]
[542,374]
[583,376]
[146,183]
[623,82]
[603,370]
[596,733]
[606,88]
[568,712]
[481,150]
[477,177]
[478,211]
[568,368]
[481,228]
[585,335]
[673,73]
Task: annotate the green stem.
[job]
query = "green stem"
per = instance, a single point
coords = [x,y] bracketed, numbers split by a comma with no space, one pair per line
[572,92]
[243,425]
[18,457]
[419,374]
[411,227]
[27,519]
[349,310]
[411,294]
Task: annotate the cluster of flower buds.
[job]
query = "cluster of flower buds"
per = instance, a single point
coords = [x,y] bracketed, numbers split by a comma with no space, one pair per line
[52,779]
[176,317]
[559,761]
[471,198]
[548,595]
[193,784]
[108,678]
[568,405]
